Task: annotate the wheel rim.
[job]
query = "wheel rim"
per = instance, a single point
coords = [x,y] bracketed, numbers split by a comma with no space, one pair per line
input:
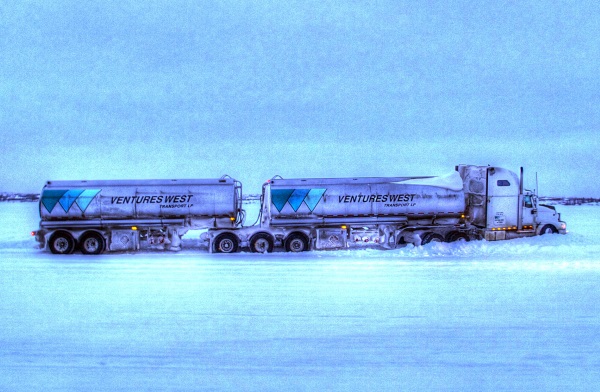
[297,245]
[548,230]
[61,244]
[226,245]
[261,245]
[91,245]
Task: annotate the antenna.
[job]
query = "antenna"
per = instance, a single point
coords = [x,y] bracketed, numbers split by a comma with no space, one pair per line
[537,189]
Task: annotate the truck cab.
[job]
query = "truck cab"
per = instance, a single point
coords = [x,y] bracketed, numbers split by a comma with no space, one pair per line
[497,204]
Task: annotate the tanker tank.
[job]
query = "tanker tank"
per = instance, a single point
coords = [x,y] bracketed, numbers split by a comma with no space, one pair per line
[374,199]
[139,201]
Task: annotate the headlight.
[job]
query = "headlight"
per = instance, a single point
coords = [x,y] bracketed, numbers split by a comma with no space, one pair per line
[563,226]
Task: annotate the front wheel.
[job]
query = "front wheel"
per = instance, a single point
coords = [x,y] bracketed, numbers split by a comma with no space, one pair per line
[226,243]
[548,229]
[61,243]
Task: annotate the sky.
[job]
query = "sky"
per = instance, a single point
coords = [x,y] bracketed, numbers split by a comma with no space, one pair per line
[253,89]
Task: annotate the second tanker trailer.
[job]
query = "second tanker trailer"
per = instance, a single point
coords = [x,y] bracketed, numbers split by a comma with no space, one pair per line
[121,215]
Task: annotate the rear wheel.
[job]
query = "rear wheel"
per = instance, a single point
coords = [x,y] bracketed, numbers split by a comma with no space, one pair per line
[431,237]
[61,243]
[456,236]
[296,243]
[548,229]
[91,243]
[226,243]
[261,243]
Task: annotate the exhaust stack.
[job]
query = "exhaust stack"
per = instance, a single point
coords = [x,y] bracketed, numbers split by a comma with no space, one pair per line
[520,201]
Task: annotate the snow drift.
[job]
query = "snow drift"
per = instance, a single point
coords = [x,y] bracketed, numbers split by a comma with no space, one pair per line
[513,315]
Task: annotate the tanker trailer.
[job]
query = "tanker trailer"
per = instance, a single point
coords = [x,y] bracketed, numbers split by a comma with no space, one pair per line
[120,215]
[320,213]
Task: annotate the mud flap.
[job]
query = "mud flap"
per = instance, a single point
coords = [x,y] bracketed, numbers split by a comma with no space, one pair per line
[495,235]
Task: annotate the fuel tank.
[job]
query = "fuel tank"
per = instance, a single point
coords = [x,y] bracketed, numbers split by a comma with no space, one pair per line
[140,199]
[388,198]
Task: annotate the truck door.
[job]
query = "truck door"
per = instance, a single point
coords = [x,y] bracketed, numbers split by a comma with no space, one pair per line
[502,199]
[528,207]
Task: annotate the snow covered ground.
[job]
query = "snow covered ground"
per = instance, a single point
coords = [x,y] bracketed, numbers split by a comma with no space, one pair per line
[515,315]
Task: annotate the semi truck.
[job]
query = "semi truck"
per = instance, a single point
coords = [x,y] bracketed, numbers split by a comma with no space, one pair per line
[296,215]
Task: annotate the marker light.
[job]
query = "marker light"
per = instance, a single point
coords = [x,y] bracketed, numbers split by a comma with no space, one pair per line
[33,233]
[344,227]
[134,228]
[232,218]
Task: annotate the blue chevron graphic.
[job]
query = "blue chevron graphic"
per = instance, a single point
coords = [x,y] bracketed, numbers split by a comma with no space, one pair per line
[67,200]
[86,197]
[67,197]
[313,198]
[280,196]
[51,197]
[295,198]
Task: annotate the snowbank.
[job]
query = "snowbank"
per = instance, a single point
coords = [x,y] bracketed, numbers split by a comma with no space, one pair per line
[512,315]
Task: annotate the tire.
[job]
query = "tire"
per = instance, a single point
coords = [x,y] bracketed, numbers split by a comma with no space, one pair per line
[457,236]
[548,229]
[226,243]
[61,243]
[296,242]
[261,243]
[92,243]
[431,237]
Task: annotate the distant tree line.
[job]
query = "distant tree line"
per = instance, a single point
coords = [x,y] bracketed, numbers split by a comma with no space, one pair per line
[4,196]
[570,201]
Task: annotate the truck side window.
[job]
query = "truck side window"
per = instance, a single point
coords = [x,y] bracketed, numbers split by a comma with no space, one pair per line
[527,202]
[503,183]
